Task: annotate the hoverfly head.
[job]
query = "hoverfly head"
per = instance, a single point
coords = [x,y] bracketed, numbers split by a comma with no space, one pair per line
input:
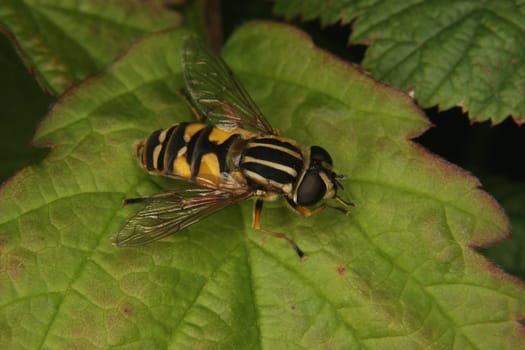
[319,181]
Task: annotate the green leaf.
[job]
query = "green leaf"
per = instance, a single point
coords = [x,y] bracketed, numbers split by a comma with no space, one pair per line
[509,253]
[64,41]
[397,273]
[451,53]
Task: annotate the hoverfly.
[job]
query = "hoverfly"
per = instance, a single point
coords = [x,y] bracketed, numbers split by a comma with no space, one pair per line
[230,154]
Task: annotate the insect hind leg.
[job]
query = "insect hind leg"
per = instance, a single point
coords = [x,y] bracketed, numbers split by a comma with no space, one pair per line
[189,101]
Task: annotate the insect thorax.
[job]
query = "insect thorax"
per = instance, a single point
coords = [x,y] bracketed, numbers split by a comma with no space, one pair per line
[272,163]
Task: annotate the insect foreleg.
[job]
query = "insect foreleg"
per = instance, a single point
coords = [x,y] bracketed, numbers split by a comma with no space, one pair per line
[307,212]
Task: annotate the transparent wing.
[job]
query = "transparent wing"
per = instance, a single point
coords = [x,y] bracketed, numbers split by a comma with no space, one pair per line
[168,213]
[216,92]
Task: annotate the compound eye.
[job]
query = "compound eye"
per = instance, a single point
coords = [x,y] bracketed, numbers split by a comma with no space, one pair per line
[311,190]
[320,155]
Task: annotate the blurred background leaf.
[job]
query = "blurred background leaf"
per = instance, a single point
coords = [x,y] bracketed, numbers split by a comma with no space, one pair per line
[23,105]
[450,53]
[65,41]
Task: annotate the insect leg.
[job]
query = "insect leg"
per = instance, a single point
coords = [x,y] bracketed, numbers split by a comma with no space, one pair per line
[159,197]
[307,212]
[187,97]
[343,202]
[257,225]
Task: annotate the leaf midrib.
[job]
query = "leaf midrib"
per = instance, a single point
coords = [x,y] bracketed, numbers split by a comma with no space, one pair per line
[77,273]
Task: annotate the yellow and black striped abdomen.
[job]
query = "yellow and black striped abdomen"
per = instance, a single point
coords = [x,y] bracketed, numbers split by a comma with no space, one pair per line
[190,151]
